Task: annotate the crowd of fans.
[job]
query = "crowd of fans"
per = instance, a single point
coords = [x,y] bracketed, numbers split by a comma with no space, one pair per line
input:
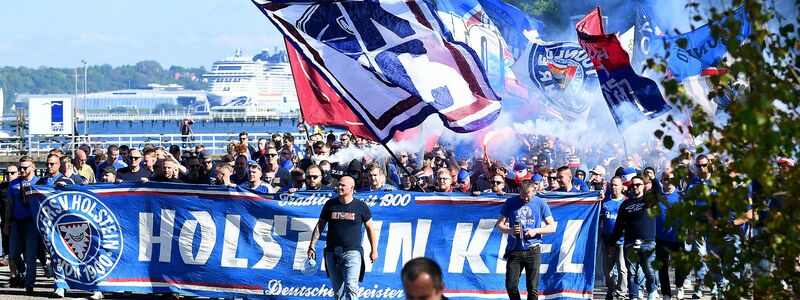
[278,164]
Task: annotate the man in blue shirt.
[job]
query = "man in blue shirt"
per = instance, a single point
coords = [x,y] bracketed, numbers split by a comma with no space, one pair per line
[667,243]
[612,255]
[53,171]
[521,218]
[23,232]
[254,179]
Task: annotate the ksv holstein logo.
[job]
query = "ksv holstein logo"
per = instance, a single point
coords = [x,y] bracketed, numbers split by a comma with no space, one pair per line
[565,74]
[84,236]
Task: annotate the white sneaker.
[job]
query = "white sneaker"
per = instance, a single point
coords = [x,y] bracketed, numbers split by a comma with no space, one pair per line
[58,293]
[680,294]
[97,295]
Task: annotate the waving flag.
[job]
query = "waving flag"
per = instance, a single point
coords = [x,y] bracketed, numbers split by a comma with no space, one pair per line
[469,24]
[646,31]
[518,28]
[564,75]
[702,50]
[391,61]
[319,102]
[630,97]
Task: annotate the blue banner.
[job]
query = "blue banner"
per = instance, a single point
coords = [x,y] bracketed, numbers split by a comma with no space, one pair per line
[219,242]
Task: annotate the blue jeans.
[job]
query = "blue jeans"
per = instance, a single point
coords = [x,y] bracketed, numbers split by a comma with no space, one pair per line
[643,258]
[344,277]
[721,271]
[24,235]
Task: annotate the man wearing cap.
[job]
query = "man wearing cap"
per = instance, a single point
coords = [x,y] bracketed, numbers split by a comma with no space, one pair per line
[521,217]
[109,175]
[254,179]
[520,173]
[462,182]
[206,164]
[597,179]
[134,171]
[538,182]
[344,259]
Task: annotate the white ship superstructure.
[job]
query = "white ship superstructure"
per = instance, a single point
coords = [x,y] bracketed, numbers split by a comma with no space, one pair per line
[261,86]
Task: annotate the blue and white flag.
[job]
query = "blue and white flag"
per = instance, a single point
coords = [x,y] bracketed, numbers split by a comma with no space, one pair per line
[563,73]
[392,61]
[518,28]
[646,31]
[468,23]
[218,242]
[701,50]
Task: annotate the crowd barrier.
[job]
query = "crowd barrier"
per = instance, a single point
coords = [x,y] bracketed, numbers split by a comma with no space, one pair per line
[222,242]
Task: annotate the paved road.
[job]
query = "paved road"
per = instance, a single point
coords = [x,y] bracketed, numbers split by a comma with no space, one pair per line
[44,288]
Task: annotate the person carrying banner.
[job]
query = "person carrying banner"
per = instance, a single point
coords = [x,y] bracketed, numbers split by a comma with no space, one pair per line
[22,228]
[344,259]
[521,217]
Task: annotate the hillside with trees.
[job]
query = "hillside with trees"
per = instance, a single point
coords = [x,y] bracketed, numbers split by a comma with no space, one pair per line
[48,80]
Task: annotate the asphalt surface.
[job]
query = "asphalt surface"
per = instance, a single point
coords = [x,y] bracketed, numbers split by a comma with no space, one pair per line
[44,289]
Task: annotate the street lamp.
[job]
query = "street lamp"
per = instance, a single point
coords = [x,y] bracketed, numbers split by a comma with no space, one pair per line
[85,114]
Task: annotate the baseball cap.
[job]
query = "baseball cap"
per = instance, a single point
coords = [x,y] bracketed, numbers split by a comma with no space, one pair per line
[500,164]
[463,175]
[205,154]
[787,161]
[537,178]
[599,170]
[519,166]
[574,162]
[251,163]
[109,169]
[627,175]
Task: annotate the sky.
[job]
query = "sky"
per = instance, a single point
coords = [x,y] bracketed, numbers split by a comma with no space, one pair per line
[172,32]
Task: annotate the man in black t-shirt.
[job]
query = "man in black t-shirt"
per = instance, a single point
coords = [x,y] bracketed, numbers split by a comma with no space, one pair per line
[344,259]
[134,171]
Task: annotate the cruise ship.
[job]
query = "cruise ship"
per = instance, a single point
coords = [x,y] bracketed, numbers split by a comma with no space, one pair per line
[261,86]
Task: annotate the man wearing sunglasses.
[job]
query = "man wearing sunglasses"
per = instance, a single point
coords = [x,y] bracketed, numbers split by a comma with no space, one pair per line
[22,228]
[82,167]
[639,230]
[313,180]
[134,172]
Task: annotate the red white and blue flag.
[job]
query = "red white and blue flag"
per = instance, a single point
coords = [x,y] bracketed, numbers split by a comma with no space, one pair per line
[630,97]
[391,61]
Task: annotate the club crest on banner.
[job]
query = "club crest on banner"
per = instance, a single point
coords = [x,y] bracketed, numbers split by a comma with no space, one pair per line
[564,74]
[85,239]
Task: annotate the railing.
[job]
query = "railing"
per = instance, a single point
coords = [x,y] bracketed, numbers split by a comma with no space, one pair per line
[40,145]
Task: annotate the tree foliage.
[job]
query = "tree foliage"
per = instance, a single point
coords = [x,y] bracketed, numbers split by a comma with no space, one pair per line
[48,80]
[763,124]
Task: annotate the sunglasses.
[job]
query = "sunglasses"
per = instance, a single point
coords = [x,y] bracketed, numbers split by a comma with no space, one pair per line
[207,162]
[272,154]
[702,165]
[11,173]
[312,177]
[25,167]
[496,182]
[286,154]
[637,185]
[135,157]
[552,178]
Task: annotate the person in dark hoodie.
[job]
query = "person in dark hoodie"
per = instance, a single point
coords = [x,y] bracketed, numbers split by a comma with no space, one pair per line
[639,229]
